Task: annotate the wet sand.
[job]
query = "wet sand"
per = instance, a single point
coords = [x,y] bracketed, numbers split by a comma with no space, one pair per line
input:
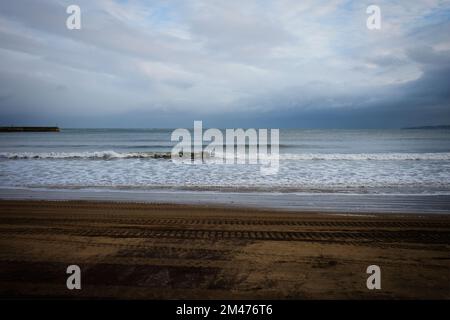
[151,251]
[296,202]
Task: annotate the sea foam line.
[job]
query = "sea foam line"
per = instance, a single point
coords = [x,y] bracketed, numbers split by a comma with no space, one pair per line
[111,155]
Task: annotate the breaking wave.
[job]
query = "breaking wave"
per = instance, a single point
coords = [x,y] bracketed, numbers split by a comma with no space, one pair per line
[96,155]
[111,155]
[369,156]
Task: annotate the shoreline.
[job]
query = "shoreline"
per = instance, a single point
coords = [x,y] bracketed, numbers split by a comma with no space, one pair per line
[87,203]
[306,202]
[169,251]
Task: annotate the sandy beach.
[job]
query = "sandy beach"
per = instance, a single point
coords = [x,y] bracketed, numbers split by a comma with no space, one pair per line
[157,251]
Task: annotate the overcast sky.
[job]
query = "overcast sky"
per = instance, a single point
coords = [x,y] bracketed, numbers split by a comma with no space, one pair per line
[230,63]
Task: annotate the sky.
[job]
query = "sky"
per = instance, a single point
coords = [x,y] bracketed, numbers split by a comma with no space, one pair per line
[233,63]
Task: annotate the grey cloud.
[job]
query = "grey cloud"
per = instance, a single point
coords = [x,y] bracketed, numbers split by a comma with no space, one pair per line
[162,62]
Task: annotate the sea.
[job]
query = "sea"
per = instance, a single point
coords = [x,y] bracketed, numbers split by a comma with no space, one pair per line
[400,162]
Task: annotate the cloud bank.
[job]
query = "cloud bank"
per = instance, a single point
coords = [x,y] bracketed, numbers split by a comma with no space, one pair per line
[280,63]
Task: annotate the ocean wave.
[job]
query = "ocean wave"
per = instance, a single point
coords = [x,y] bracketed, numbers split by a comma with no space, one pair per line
[94,155]
[111,155]
[367,156]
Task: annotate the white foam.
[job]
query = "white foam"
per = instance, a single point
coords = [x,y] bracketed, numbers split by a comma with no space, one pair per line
[109,155]
[367,156]
[94,155]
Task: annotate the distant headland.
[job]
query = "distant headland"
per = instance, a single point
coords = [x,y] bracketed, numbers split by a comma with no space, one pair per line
[447,127]
[29,129]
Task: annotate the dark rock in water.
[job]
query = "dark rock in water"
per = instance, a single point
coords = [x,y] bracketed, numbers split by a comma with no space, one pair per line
[161,156]
[29,129]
